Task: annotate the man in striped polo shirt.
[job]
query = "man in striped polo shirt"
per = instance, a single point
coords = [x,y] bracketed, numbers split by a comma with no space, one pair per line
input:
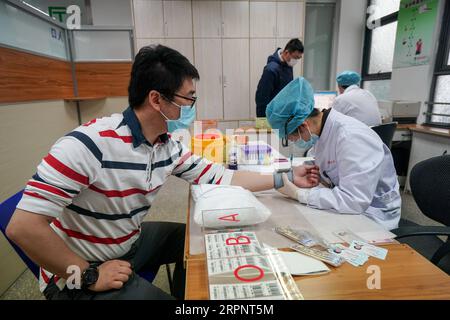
[85,205]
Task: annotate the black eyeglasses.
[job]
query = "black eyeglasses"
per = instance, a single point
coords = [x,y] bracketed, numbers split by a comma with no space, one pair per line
[193,99]
[284,140]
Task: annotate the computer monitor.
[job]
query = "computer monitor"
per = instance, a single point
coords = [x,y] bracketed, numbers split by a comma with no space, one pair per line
[324,99]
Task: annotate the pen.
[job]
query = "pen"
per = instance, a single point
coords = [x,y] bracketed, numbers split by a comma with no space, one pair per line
[291,157]
[226,231]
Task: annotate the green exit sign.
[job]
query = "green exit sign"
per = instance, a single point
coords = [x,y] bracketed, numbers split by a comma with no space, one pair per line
[57,13]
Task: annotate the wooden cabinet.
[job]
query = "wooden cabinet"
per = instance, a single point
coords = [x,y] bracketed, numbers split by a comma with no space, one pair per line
[228,41]
[148,19]
[236,78]
[263,19]
[177,19]
[235,19]
[290,19]
[208,60]
[207,19]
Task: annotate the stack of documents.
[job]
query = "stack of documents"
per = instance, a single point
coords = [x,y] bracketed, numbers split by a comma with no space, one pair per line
[301,265]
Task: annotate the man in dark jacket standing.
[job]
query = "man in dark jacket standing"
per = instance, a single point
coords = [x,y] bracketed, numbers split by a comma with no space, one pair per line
[277,73]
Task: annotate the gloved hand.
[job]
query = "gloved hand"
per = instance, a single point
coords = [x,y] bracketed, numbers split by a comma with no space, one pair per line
[292,191]
[306,176]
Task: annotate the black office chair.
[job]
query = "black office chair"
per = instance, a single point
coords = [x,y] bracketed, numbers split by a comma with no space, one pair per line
[430,187]
[386,132]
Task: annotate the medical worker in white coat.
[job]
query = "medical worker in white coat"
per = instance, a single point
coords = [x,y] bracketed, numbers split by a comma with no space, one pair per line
[354,101]
[355,166]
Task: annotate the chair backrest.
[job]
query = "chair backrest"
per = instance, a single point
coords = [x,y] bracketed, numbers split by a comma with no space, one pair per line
[386,132]
[430,187]
[7,209]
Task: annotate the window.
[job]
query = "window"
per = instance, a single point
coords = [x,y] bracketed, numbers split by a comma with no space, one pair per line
[382,49]
[385,7]
[379,47]
[381,89]
[439,107]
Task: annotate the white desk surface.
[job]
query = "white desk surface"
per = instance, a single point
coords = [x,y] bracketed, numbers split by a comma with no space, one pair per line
[288,212]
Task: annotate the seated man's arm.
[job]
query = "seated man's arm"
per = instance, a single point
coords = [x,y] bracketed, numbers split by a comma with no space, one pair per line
[33,234]
[69,168]
[198,170]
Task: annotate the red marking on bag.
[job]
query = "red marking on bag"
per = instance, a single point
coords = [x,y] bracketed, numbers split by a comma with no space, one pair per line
[230,217]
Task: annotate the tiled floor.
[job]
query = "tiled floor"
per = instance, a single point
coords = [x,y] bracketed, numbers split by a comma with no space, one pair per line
[171,205]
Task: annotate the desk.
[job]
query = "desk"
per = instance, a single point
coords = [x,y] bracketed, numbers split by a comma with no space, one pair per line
[413,143]
[405,274]
[427,142]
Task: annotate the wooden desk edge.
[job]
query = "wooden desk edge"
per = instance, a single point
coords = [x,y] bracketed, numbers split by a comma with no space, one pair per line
[192,286]
[431,130]
[187,231]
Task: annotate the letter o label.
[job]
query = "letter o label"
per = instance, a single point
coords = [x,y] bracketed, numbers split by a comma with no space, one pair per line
[258,277]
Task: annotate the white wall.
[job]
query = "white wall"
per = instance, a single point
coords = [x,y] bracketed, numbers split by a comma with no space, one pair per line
[111,13]
[350,41]
[414,83]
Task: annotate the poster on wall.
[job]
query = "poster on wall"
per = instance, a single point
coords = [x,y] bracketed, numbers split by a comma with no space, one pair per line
[415,28]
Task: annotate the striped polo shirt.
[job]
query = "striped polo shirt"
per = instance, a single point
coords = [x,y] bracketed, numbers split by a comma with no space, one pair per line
[99,181]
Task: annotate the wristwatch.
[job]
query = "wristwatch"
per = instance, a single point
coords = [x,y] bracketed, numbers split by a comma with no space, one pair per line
[278,178]
[89,276]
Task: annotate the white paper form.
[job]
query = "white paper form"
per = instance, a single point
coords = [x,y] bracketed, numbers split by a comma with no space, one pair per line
[326,223]
[299,264]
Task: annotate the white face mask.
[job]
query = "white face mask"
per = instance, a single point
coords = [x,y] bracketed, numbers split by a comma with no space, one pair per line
[292,62]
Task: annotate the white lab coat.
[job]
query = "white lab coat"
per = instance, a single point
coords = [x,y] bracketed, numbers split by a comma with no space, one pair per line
[359,104]
[362,169]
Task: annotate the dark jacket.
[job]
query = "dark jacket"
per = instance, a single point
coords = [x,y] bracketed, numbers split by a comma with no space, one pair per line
[276,76]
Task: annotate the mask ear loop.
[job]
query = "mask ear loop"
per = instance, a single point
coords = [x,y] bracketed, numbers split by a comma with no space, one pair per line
[175,104]
[300,136]
[309,131]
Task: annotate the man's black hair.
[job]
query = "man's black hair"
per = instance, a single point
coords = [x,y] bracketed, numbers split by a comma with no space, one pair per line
[294,45]
[315,112]
[344,87]
[159,68]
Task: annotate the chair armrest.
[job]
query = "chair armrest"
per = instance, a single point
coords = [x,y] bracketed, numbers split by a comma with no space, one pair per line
[404,232]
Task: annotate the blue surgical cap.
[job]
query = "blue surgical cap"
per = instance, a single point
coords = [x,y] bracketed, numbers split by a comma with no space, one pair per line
[296,100]
[348,78]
